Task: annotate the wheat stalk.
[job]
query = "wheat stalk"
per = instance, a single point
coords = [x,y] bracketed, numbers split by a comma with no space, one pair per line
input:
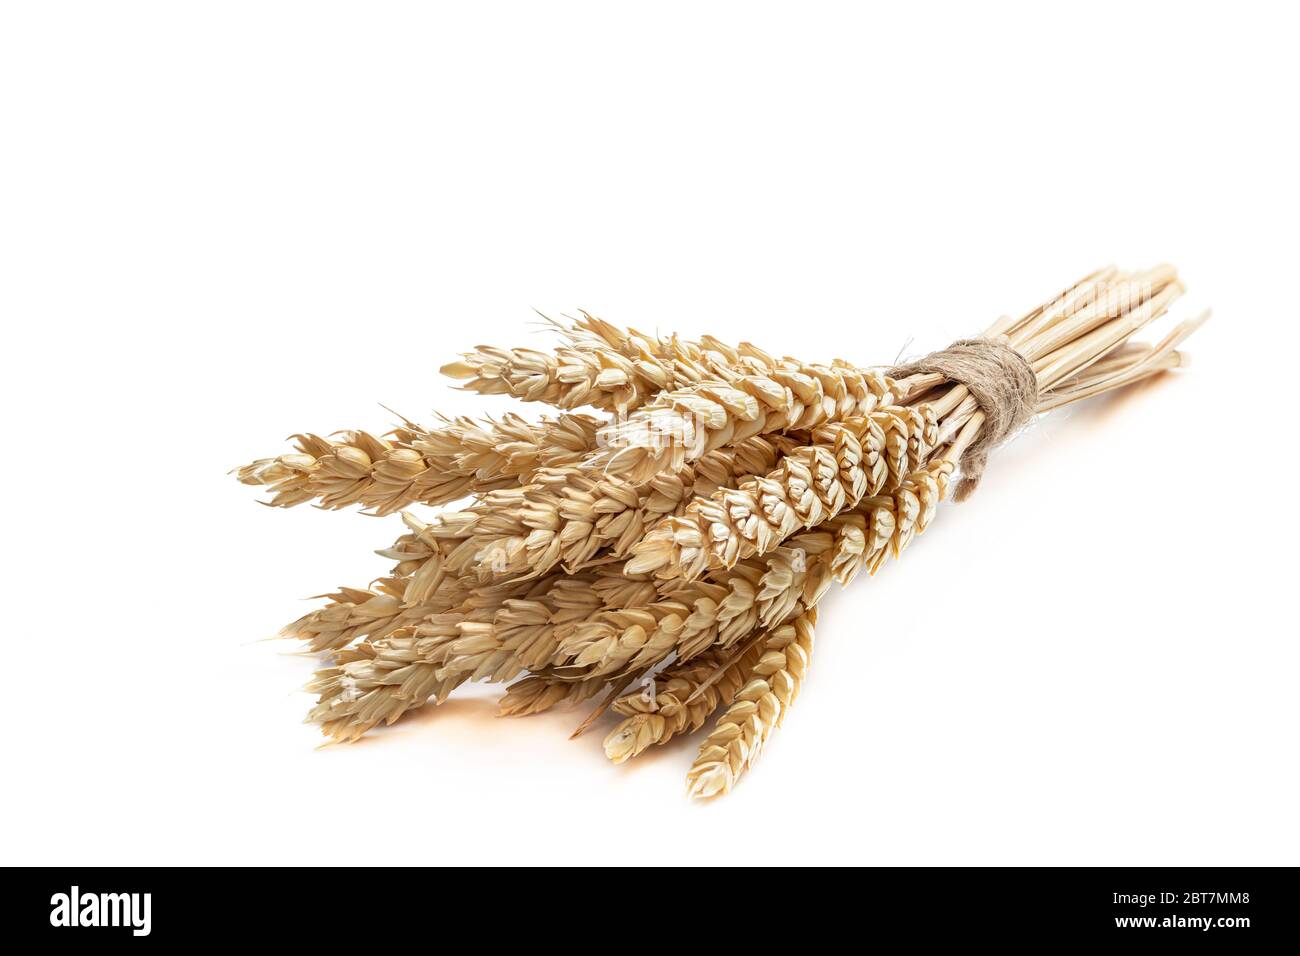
[819,481]
[688,541]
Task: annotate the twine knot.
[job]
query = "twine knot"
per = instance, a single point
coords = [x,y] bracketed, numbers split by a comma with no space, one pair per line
[1002,383]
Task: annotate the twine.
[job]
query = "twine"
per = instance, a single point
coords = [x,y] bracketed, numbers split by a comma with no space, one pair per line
[999,379]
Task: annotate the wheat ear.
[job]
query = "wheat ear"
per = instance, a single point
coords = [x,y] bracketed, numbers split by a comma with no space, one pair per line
[851,460]
[377,681]
[683,425]
[725,607]
[535,694]
[498,631]
[678,701]
[759,708]
[566,516]
[413,464]
[602,366]
[354,614]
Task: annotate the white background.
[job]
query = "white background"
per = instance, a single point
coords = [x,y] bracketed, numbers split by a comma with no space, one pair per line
[223,223]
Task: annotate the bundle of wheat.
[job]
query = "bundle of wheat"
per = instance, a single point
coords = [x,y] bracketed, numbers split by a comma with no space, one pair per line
[671,556]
